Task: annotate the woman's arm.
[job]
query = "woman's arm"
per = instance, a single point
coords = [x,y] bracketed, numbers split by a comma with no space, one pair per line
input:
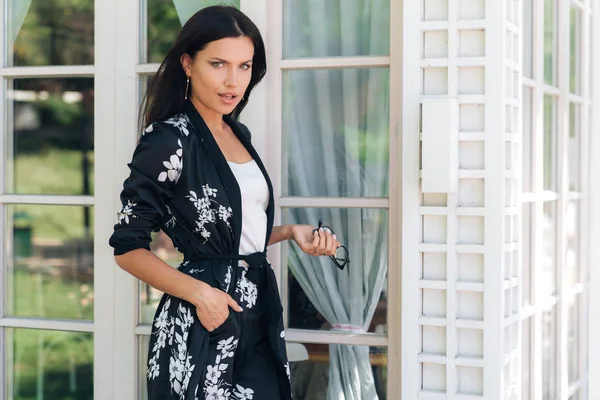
[150,269]
[280,233]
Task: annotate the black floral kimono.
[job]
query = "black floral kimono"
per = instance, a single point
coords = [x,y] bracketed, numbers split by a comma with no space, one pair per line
[180,182]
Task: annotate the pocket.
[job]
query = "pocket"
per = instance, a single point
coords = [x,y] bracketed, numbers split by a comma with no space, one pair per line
[225,327]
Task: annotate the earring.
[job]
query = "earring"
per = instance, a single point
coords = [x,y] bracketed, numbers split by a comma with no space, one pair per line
[187,87]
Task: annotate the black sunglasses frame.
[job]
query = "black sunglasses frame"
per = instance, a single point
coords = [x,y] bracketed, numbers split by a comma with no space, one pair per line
[339,262]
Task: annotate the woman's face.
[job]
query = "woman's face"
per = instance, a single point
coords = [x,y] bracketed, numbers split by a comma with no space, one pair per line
[220,73]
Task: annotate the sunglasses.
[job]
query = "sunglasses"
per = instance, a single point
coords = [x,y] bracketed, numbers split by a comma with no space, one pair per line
[340,259]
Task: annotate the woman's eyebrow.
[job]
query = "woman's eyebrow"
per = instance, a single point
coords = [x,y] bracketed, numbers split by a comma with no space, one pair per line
[227,62]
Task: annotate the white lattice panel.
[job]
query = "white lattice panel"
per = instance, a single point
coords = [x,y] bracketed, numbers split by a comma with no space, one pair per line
[461,271]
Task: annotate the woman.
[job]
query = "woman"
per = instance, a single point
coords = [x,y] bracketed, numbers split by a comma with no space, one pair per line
[218,330]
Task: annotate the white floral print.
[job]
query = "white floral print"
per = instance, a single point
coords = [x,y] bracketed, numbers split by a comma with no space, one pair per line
[241,393]
[227,279]
[174,166]
[214,387]
[287,370]
[180,121]
[126,212]
[161,325]
[206,214]
[180,366]
[248,291]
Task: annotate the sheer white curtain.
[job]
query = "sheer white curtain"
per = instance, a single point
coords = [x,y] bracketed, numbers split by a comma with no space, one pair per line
[336,134]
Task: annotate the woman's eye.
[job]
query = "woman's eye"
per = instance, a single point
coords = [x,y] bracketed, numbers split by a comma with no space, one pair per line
[217,64]
[245,66]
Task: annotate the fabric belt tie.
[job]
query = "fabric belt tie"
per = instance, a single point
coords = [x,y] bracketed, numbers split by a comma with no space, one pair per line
[261,274]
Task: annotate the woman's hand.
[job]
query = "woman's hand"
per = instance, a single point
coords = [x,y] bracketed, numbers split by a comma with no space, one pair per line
[213,307]
[318,243]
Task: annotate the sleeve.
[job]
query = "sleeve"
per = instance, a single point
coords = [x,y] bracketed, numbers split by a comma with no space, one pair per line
[154,171]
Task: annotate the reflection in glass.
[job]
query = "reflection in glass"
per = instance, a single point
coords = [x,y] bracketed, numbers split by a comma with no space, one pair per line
[550,42]
[575,51]
[50,32]
[323,297]
[50,261]
[527,139]
[550,137]
[528,38]
[329,28]
[573,340]
[336,133]
[311,378]
[572,227]
[164,21]
[546,282]
[49,364]
[149,297]
[549,359]
[53,136]
[574,156]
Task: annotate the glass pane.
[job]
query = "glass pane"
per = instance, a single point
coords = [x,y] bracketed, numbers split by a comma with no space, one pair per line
[549,359]
[550,42]
[527,139]
[526,353]
[164,21]
[528,38]
[546,283]
[331,28]
[336,133]
[51,149]
[574,155]
[50,270]
[50,32]
[49,365]
[527,250]
[311,376]
[575,51]
[573,340]
[143,344]
[572,227]
[323,297]
[550,137]
[149,297]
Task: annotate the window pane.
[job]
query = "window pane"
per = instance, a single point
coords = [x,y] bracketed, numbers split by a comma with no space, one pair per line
[527,140]
[51,149]
[574,155]
[311,377]
[49,364]
[336,133]
[573,340]
[331,28]
[572,227]
[528,38]
[321,296]
[549,359]
[546,283]
[149,297]
[164,21]
[49,261]
[550,137]
[50,32]
[575,51]
[550,42]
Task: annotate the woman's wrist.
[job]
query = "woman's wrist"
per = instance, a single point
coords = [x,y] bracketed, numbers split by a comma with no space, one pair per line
[196,297]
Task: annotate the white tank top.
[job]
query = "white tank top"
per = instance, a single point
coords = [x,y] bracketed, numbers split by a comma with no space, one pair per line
[255,199]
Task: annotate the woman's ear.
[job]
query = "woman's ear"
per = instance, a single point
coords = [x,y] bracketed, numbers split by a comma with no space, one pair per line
[186,63]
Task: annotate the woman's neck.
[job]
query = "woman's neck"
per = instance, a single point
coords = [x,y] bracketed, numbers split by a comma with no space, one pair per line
[212,119]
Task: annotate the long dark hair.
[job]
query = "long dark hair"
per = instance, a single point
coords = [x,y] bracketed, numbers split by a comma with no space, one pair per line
[166,95]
